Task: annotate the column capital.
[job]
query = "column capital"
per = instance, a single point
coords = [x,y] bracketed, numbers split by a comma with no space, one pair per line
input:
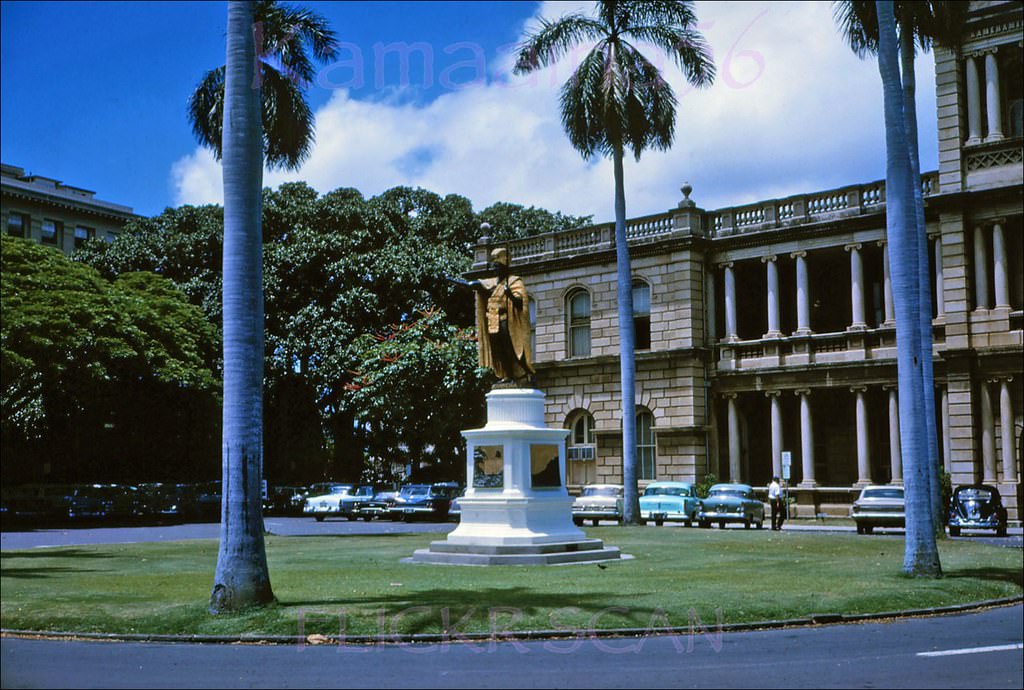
[881,243]
[767,258]
[773,394]
[798,255]
[852,246]
[890,386]
[997,221]
[935,235]
[858,389]
[725,264]
[730,396]
[802,391]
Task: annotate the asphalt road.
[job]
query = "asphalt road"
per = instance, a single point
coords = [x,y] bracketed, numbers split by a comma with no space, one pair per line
[979,650]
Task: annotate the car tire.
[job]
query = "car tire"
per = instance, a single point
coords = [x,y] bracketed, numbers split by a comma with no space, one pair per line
[869,529]
[760,524]
[659,523]
[1001,530]
[721,524]
[860,529]
[746,523]
[319,518]
[954,531]
[595,521]
[704,524]
[577,521]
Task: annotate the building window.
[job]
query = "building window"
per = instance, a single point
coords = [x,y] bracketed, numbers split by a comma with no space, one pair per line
[111,236]
[646,456]
[581,467]
[18,225]
[641,315]
[82,235]
[53,233]
[579,324]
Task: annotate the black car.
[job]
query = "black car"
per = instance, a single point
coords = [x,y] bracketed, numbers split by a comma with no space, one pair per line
[978,506]
[430,501]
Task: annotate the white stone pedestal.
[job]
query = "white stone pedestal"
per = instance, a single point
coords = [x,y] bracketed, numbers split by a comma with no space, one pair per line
[516,509]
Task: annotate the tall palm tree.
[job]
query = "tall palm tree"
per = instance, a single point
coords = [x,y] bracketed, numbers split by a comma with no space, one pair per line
[921,556]
[614,101]
[235,129]
[920,24]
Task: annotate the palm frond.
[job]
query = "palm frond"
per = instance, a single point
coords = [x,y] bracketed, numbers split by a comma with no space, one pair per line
[582,105]
[287,31]
[206,111]
[554,39]
[288,122]
[667,13]
[948,22]
[687,48]
[857,22]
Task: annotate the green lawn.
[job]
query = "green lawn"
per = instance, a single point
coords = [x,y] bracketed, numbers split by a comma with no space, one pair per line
[734,575]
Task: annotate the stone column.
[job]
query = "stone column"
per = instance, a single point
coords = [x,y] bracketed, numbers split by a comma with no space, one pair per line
[734,438]
[712,316]
[806,439]
[856,288]
[980,269]
[1009,450]
[973,101]
[863,454]
[895,457]
[803,295]
[999,260]
[947,463]
[773,296]
[730,303]
[940,282]
[993,103]
[776,426]
[890,318]
[988,435]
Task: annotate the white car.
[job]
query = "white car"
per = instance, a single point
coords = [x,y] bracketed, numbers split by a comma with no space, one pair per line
[598,502]
[330,503]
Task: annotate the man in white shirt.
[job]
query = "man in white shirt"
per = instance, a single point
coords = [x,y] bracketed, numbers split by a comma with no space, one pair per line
[775,499]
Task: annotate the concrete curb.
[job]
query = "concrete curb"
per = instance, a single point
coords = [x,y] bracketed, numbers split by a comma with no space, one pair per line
[814,619]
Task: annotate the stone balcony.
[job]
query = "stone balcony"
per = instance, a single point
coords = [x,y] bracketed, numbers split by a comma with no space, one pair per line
[688,220]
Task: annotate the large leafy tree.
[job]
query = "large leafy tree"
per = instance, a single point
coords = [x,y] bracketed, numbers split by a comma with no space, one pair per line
[263,113]
[617,101]
[92,369]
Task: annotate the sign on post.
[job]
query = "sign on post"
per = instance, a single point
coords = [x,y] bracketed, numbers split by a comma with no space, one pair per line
[787,460]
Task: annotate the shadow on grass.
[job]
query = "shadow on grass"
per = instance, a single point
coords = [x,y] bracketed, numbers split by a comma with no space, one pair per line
[40,573]
[425,610]
[69,552]
[994,574]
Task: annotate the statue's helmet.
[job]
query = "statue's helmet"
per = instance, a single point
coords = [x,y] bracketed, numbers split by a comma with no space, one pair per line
[499,256]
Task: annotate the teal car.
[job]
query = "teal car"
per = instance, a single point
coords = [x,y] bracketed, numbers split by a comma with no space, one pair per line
[669,502]
[731,503]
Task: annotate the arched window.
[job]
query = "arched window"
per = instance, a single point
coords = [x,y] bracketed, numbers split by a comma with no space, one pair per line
[646,452]
[579,323]
[641,315]
[582,452]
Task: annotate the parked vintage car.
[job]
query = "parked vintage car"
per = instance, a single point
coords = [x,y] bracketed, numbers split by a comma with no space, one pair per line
[731,503]
[327,504]
[669,502]
[455,509]
[977,506]
[878,506]
[375,505]
[598,502]
[430,501]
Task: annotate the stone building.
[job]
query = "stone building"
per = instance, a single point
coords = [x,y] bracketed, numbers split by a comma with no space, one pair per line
[55,214]
[769,328]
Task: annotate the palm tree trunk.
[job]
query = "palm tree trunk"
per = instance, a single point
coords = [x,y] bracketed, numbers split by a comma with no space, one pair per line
[241,579]
[920,553]
[627,363]
[924,283]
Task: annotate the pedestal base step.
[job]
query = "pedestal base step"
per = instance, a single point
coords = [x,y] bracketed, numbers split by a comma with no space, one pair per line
[585,551]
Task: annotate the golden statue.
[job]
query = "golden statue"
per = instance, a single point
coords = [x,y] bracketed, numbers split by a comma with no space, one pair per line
[503,322]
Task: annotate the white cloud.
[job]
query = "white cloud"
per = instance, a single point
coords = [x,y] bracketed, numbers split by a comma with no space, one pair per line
[792,110]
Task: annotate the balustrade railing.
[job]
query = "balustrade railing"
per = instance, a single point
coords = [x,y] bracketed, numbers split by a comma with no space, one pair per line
[846,201]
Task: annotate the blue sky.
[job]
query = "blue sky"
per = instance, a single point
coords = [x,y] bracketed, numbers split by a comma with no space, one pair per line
[94,94]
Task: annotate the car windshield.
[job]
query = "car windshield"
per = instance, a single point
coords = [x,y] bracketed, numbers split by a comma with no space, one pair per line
[666,491]
[882,493]
[411,491]
[602,491]
[735,493]
[975,494]
[340,489]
